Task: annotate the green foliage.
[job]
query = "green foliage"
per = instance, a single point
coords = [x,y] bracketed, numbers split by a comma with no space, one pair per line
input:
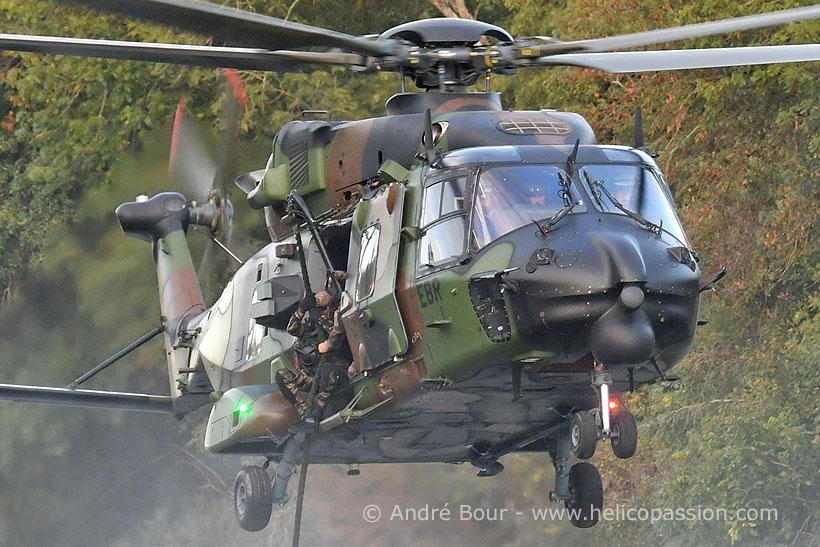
[67,120]
[72,119]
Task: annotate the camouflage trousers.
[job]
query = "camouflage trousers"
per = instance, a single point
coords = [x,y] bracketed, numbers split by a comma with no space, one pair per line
[293,382]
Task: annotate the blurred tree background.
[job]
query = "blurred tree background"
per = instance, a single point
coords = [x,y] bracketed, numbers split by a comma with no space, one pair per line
[740,147]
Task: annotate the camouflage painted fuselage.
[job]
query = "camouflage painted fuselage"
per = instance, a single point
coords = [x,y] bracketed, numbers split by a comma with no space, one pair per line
[441,327]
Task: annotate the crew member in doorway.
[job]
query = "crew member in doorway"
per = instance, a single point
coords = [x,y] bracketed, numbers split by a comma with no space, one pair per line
[322,353]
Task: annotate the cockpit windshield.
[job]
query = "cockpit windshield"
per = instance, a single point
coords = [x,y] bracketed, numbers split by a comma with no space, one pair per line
[510,196]
[637,189]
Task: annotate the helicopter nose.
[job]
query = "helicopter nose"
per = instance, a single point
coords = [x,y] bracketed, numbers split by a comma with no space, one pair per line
[598,286]
[623,335]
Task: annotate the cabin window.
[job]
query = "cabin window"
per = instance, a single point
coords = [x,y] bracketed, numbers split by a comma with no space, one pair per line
[367,262]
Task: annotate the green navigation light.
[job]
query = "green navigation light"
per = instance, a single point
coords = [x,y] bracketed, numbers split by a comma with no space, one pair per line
[244,408]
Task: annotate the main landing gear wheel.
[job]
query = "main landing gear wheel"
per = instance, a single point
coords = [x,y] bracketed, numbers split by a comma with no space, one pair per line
[586,495]
[624,437]
[252,498]
[583,431]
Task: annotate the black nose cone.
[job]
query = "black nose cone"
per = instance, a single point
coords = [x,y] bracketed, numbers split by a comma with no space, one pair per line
[623,335]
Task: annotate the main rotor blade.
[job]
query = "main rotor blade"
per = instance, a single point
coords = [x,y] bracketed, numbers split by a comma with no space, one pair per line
[205,56]
[234,26]
[685,59]
[685,32]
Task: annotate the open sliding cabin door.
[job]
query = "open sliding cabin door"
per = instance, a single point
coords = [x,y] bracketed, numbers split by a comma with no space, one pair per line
[373,323]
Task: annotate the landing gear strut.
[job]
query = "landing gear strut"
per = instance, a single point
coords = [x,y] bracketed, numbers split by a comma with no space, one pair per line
[588,427]
[579,487]
[602,380]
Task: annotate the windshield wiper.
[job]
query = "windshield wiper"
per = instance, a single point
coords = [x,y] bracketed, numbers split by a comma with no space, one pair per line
[594,189]
[598,187]
[569,204]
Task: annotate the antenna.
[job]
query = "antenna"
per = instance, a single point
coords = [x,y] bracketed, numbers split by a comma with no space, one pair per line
[429,152]
[572,157]
[639,140]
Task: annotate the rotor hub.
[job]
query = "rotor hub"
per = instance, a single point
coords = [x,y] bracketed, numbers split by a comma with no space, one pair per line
[443,52]
[445,31]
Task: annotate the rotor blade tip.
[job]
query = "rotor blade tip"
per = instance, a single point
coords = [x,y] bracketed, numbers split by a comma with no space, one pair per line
[172,157]
[239,91]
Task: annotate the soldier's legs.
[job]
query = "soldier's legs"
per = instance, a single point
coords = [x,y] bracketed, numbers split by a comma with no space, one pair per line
[334,373]
[291,383]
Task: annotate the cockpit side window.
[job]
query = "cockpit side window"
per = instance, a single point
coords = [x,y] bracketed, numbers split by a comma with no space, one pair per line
[443,240]
[510,196]
[444,220]
[443,197]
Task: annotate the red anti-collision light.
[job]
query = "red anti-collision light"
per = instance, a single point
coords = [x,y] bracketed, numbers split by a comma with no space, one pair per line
[614,405]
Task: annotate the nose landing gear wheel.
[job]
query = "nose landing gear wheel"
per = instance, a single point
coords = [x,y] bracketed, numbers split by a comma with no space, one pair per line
[583,431]
[587,495]
[624,437]
[253,498]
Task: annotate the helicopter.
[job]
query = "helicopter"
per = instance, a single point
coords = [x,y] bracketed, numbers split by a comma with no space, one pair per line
[507,276]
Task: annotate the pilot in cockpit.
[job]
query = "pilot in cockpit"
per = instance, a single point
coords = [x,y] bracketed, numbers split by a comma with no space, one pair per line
[509,197]
[535,194]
